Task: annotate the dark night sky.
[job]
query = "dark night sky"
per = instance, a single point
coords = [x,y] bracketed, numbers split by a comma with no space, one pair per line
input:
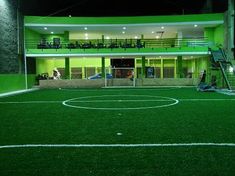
[118,7]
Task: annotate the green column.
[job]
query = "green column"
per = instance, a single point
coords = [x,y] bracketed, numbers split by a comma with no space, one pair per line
[162,68]
[143,67]
[103,66]
[142,36]
[67,68]
[102,37]
[66,37]
[179,67]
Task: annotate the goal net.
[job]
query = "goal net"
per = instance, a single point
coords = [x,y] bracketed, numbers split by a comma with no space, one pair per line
[119,77]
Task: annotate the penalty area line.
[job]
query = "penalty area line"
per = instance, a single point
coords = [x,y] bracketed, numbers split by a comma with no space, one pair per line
[117,145]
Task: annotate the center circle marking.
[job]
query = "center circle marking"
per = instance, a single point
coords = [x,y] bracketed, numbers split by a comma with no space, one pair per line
[172,101]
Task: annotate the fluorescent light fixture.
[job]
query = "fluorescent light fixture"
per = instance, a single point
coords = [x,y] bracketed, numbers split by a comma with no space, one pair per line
[85,28]
[52,32]
[45,28]
[195,25]
[162,27]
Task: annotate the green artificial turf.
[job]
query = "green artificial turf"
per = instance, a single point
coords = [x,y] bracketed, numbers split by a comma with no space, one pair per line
[43,119]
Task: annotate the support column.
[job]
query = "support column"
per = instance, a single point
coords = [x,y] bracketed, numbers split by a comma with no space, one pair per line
[103,67]
[143,67]
[102,37]
[175,68]
[66,37]
[162,67]
[67,68]
[179,67]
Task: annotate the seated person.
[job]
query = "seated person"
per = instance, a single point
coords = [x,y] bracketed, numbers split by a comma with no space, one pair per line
[56,74]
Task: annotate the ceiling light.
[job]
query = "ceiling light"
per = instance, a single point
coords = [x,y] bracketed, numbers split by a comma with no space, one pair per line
[86,38]
[85,28]
[52,32]
[70,16]
[107,37]
[123,32]
[45,28]
[162,27]
[157,37]
[195,25]
[86,34]
[124,28]
[152,32]
[136,37]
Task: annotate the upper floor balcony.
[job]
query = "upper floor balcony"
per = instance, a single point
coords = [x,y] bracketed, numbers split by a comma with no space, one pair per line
[116,47]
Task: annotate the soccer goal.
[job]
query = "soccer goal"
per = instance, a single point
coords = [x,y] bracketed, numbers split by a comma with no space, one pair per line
[119,77]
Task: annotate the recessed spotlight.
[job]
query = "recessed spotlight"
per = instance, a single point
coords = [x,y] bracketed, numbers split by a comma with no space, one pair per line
[136,37]
[124,28]
[157,37]
[123,32]
[85,28]
[86,38]
[162,27]
[195,25]
[45,28]
[52,32]
[152,32]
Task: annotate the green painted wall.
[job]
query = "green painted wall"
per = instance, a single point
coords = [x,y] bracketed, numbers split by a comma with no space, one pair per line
[32,38]
[209,34]
[215,35]
[14,82]
[46,65]
[219,35]
[123,20]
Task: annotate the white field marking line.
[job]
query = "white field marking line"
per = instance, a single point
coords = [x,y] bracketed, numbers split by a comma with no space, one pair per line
[17,92]
[28,102]
[65,103]
[122,89]
[204,99]
[117,145]
[98,101]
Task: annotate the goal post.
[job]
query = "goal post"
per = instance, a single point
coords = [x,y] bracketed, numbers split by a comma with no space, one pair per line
[120,77]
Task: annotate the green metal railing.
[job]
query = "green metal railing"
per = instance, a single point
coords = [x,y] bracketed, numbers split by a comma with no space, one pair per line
[117,43]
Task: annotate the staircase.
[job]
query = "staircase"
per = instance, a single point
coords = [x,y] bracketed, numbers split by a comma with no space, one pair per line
[220,60]
[231,79]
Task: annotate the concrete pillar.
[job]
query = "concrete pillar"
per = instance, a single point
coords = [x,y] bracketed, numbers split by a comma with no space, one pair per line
[67,68]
